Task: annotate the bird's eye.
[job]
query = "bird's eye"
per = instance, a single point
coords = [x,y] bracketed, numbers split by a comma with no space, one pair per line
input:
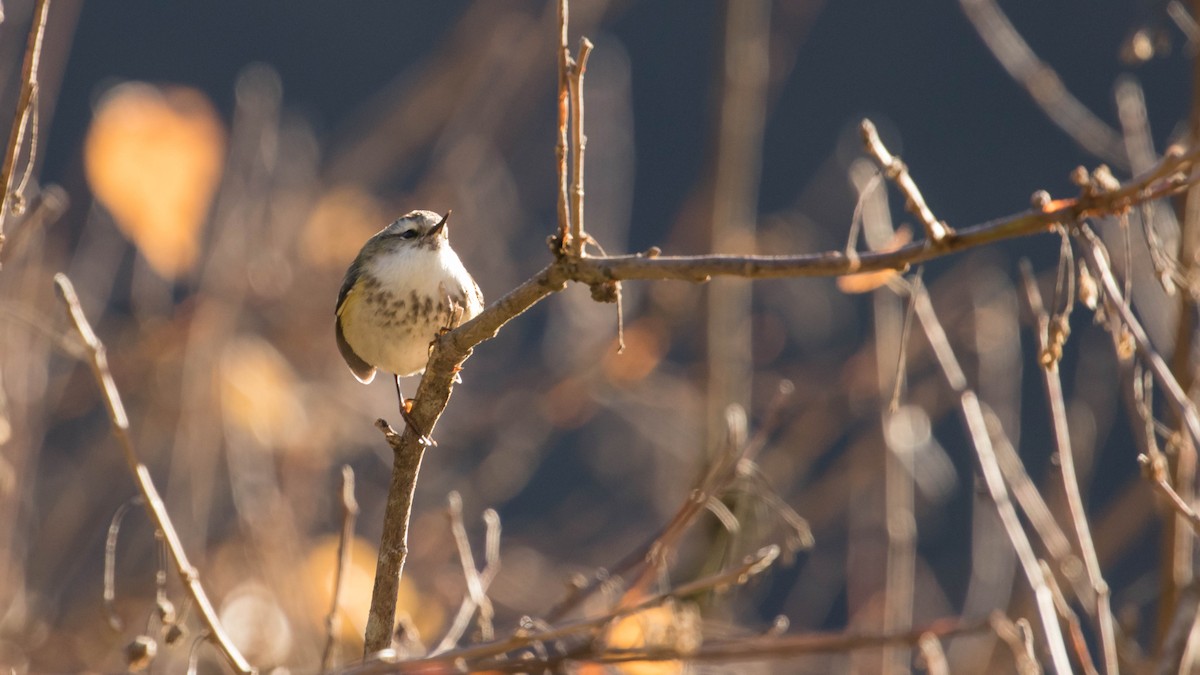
[408,234]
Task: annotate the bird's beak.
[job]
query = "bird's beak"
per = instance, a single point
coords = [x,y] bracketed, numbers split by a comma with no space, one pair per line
[441,226]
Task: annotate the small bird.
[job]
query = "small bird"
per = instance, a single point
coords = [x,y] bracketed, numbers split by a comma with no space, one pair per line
[405,286]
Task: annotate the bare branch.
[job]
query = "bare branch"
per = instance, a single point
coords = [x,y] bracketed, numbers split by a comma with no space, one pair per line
[150,497]
[994,479]
[26,114]
[1156,472]
[1066,456]
[936,230]
[452,348]
[345,539]
[564,116]
[1097,259]
[738,575]
[477,584]
[578,145]
[1074,628]
[1042,83]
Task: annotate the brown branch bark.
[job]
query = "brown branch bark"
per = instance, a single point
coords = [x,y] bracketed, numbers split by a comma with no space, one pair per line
[1052,383]
[897,171]
[578,145]
[1097,260]
[452,348]
[1178,539]
[29,85]
[993,477]
[345,541]
[150,497]
[564,117]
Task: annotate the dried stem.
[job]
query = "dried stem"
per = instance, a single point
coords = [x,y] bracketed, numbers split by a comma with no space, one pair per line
[1074,628]
[1097,261]
[737,575]
[1019,638]
[933,655]
[720,473]
[578,146]
[994,479]
[345,539]
[477,583]
[564,117]
[25,110]
[1156,472]
[1178,542]
[894,168]
[748,649]
[150,497]
[1066,456]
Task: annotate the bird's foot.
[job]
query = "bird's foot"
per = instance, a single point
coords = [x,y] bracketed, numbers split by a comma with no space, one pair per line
[422,438]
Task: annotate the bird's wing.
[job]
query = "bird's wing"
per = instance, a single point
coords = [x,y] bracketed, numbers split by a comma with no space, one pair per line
[362,370]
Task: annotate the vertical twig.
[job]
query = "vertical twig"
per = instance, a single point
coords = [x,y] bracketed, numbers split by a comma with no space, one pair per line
[150,497]
[578,146]
[25,104]
[1074,628]
[345,540]
[892,324]
[737,165]
[994,479]
[1178,540]
[1052,383]
[477,582]
[564,117]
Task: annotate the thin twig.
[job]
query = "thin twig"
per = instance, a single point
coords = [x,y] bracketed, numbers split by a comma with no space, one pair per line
[1097,259]
[1042,83]
[1031,502]
[1052,383]
[737,575]
[749,649]
[345,539]
[687,511]
[1019,638]
[1074,628]
[491,568]
[110,564]
[25,109]
[895,169]
[150,497]
[564,116]
[993,478]
[1156,472]
[933,655]
[578,146]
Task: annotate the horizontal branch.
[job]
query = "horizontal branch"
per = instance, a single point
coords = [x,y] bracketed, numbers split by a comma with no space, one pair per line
[452,348]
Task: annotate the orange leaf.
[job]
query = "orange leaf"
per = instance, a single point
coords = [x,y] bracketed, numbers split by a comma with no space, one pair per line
[153,157]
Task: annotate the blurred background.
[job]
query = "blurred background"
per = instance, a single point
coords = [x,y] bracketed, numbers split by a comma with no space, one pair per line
[206,171]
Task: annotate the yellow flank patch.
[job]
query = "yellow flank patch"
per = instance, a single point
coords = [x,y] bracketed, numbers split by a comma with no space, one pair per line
[351,295]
